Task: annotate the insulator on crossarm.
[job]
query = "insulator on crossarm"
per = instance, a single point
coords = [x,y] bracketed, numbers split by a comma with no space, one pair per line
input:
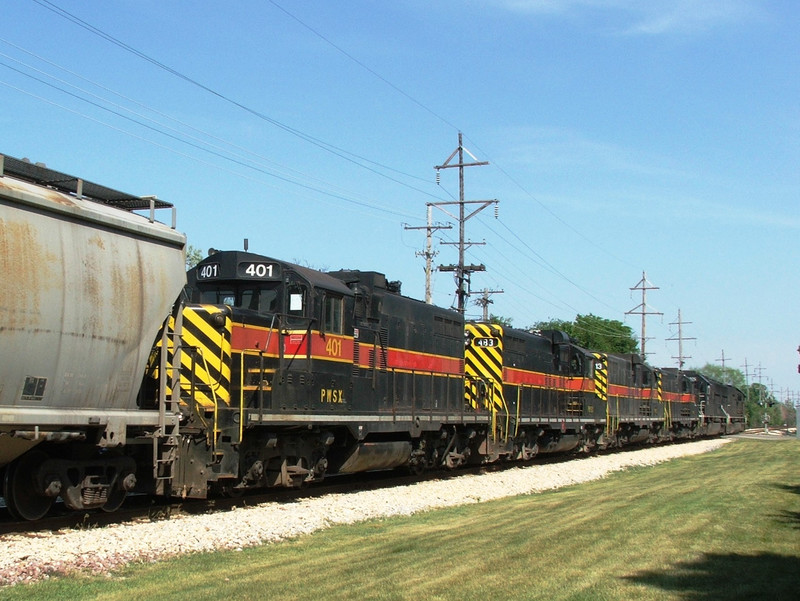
[496,210]
[438,177]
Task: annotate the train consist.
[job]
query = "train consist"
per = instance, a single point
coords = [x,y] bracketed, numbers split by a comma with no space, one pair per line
[264,373]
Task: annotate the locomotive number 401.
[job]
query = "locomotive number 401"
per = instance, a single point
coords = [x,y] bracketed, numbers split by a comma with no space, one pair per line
[209,270]
[259,270]
[265,271]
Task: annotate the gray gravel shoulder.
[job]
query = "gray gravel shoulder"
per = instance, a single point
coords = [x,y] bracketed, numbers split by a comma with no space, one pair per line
[27,558]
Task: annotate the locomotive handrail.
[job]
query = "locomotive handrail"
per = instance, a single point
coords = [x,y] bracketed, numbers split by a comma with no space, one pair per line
[667,413]
[727,415]
[214,401]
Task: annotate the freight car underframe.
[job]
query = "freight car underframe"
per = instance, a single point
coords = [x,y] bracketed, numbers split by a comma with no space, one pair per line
[96,466]
[78,455]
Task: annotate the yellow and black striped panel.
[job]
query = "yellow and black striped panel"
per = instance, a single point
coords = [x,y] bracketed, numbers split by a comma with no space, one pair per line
[483,366]
[205,336]
[659,387]
[601,376]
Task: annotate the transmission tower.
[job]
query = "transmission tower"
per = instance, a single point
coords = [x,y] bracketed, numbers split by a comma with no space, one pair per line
[429,253]
[681,357]
[462,271]
[643,309]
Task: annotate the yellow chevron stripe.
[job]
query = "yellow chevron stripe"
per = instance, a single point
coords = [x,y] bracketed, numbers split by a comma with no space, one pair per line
[214,356]
[207,352]
[601,376]
[659,388]
[483,365]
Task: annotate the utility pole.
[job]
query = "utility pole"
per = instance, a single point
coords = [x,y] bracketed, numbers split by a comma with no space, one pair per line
[724,373]
[758,372]
[484,301]
[681,357]
[428,253]
[461,270]
[644,285]
[746,380]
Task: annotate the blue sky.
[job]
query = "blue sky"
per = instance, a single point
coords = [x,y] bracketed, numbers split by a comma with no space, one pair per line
[622,137]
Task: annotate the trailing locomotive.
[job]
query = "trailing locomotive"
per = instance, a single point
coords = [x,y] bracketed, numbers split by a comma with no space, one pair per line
[265,373]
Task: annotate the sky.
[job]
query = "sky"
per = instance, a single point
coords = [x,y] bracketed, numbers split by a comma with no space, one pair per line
[622,138]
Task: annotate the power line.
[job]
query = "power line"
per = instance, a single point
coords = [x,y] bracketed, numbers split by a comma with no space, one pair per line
[326,146]
[362,65]
[337,151]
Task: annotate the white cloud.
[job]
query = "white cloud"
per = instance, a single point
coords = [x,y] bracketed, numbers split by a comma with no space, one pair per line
[652,17]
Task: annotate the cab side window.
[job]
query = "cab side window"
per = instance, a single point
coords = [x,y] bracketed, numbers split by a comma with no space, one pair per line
[296,300]
[333,314]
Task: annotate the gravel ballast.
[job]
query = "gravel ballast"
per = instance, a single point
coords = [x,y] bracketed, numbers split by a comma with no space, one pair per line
[31,557]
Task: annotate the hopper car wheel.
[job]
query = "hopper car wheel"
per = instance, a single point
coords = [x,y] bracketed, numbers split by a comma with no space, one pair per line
[115,500]
[23,500]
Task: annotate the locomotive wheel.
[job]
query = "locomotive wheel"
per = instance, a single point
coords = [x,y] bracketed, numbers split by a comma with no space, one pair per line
[19,489]
[417,469]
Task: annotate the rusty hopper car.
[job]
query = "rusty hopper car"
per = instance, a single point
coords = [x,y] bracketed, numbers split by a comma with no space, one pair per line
[86,285]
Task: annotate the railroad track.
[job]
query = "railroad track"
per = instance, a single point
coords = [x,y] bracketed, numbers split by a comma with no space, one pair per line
[141,508]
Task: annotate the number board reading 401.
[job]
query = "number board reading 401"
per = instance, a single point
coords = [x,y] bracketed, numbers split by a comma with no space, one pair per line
[261,271]
[209,270]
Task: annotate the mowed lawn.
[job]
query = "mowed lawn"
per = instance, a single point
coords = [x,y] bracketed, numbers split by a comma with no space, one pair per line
[724,525]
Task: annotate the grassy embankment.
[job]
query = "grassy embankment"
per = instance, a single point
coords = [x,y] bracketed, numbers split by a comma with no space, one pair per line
[725,525]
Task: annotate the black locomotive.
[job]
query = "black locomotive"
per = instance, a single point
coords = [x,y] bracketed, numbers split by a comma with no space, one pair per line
[289,374]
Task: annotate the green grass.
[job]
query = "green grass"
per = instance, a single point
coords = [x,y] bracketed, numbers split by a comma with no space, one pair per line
[724,525]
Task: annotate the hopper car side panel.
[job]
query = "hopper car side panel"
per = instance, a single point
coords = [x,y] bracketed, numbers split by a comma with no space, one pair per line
[85,287]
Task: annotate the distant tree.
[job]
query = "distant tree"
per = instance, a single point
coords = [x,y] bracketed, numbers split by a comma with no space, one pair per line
[500,320]
[193,256]
[726,375]
[595,333]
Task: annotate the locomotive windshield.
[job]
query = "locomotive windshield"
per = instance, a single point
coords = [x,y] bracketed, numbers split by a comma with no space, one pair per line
[263,299]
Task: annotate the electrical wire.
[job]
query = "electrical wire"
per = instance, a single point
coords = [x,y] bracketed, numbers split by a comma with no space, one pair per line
[356,159]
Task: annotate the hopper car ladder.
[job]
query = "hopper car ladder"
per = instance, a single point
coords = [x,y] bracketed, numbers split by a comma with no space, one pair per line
[166,437]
